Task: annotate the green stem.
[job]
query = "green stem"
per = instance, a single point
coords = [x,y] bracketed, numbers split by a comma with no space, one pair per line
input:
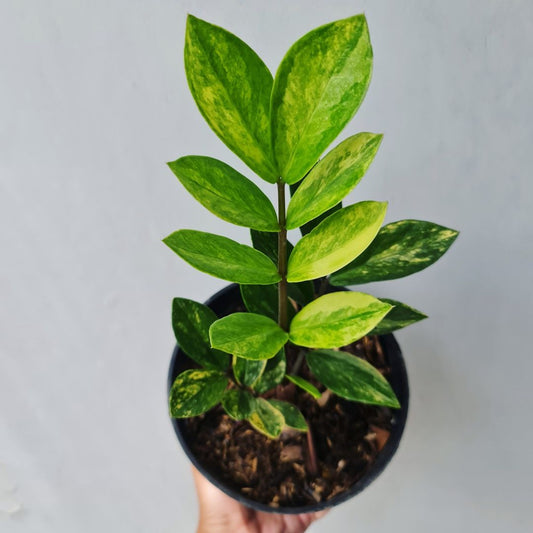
[282,259]
[298,363]
[312,459]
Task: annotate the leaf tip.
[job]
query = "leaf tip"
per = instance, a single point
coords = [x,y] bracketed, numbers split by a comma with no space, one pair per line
[169,238]
[395,403]
[191,19]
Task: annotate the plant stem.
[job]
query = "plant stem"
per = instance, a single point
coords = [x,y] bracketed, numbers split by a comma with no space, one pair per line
[282,259]
[312,463]
[298,363]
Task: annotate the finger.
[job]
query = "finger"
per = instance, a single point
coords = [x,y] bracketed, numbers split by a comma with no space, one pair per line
[205,490]
[308,519]
[320,514]
[211,499]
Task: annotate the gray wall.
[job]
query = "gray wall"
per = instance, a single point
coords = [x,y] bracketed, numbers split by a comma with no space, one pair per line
[93,101]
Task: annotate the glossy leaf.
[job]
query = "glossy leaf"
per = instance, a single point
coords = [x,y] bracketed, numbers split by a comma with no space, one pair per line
[266,418]
[337,319]
[336,241]
[261,299]
[247,371]
[195,391]
[292,415]
[267,243]
[302,292]
[304,385]
[248,335]
[318,88]
[400,316]
[223,258]
[273,374]
[400,249]
[232,87]
[332,178]
[225,192]
[239,404]
[312,224]
[190,322]
[350,377]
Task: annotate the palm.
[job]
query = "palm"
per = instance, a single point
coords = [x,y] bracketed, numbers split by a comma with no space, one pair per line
[220,514]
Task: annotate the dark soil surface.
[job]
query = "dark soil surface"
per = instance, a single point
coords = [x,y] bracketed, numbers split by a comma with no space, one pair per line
[346,436]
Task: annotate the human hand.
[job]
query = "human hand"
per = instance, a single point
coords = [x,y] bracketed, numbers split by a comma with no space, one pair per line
[219,513]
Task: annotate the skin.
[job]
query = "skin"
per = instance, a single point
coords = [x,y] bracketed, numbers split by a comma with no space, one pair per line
[221,514]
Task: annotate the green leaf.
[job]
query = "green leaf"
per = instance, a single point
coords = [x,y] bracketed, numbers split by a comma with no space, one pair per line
[222,257]
[292,415]
[332,178]
[352,378]
[400,316]
[399,249]
[273,374]
[195,391]
[225,192]
[336,241]
[318,88]
[337,319]
[248,335]
[190,322]
[304,385]
[267,243]
[266,418]
[232,87]
[239,404]
[261,299]
[302,293]
[312,224]
[247,371]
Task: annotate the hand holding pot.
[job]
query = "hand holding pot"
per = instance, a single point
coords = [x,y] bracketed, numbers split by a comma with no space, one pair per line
[221,514]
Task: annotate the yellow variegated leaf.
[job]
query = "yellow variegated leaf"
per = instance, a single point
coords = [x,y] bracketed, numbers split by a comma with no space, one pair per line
[248,335]
[225,192]
[336,241]
[319,86]
[332,178]
[222,257]
[337,319]
[350,377]
[266,418]
[231,86]
[196,391]
[399,249]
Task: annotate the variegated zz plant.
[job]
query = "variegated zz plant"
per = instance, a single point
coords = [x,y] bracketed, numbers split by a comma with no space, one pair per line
[280,127]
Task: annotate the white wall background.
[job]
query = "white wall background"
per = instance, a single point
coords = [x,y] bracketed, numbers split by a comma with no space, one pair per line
[93,101]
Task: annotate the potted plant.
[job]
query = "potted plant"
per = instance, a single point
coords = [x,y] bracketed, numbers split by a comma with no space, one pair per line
[287,390]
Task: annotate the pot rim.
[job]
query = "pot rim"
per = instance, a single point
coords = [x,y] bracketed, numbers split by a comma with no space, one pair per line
[398,381]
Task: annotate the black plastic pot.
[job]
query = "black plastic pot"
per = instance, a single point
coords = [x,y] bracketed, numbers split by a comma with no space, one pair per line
[225,302]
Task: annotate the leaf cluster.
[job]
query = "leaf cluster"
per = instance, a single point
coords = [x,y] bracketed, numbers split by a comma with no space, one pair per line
[280,126]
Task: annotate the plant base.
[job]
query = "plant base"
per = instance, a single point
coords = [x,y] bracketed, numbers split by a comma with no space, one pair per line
[353,442]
